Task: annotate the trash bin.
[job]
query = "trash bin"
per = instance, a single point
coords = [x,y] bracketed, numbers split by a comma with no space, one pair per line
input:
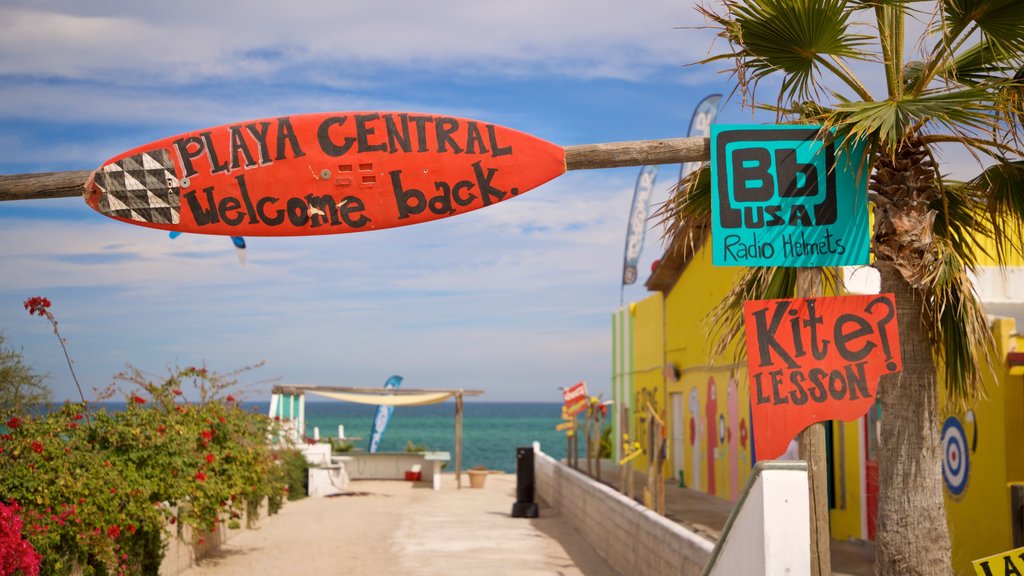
[525,506]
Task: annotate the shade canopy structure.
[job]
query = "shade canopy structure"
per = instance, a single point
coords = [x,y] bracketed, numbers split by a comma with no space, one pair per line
[288,403]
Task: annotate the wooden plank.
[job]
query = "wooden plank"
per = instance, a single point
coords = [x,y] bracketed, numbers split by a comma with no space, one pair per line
[812,450]
[637,153]
[46,185]
[458,441]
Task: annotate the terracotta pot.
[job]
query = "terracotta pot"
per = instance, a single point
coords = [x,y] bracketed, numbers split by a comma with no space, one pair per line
[477,478]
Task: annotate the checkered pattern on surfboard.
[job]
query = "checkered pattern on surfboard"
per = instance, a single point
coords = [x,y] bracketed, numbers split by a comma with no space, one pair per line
[142,187]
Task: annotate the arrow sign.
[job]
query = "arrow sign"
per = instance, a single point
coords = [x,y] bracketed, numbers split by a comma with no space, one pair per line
[327,173]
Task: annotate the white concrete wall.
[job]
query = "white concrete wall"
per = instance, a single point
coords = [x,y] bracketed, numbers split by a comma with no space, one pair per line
[631,538]
[769,530]
[181,554]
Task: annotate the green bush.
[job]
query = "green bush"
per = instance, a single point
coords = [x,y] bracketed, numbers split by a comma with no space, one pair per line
[295,469]
[100,489]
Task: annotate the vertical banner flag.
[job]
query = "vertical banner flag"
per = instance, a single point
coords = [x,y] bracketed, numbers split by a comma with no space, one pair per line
[815,359]
[638,222]
[382,415]
[783,196]
[700,125]
[575,398]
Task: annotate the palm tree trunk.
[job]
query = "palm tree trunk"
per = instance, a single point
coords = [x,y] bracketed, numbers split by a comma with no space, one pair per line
[912,536]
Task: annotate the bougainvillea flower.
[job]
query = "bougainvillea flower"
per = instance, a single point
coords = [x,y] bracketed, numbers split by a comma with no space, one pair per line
[37,305]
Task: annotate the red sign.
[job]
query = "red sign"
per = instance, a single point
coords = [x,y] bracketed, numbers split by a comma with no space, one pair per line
[815,359]
[575,398]
[327,173]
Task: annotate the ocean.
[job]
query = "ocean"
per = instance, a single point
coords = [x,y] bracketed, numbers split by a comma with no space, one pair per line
[491,431]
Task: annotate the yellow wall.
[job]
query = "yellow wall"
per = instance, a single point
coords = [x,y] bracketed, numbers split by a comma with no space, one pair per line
[648,360]
[713,445]
[979,517]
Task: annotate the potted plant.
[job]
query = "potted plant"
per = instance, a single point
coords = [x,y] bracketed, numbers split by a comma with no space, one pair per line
[477,476]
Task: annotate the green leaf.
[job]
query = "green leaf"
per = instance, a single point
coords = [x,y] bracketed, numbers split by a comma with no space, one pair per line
[795,37]
[1001,21]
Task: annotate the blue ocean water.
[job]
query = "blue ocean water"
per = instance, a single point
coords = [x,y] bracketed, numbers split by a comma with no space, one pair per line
[491,431]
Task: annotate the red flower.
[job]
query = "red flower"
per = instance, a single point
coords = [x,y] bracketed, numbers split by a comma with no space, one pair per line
[138,400]
[161,429]
[230,398]
[114,531]
[37,305]
[131,530]
[37,446]
[14,422]
[209,458]
[176,392]
[200,476]
[77,416]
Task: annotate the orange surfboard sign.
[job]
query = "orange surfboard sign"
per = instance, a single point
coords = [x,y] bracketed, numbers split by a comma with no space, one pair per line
[327,173]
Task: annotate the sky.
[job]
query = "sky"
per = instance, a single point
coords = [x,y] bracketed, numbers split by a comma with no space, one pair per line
[515,299]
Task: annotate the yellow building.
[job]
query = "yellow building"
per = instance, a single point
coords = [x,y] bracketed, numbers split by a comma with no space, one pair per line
[661,359]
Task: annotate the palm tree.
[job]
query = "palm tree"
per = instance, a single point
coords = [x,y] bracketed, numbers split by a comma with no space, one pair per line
[963,87]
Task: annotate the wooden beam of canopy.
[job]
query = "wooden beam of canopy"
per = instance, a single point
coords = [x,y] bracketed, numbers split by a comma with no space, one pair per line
[302,388]
[47,185]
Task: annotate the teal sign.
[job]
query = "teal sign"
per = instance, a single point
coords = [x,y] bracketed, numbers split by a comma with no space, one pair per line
[783,197]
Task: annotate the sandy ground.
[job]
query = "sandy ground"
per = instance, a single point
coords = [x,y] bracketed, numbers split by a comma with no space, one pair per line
[394,527]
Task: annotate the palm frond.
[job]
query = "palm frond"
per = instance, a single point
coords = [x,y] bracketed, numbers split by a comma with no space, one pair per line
[961,222]
[1000,187]
[799,38]
[959,328]
[1001,22]
[687,211]
[892,121]
[983,63]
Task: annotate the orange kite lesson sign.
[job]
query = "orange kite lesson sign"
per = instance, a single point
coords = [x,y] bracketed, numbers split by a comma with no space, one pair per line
[327,173]
[815,359]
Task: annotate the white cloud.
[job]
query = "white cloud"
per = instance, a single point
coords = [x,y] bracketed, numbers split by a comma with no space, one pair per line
[190,40]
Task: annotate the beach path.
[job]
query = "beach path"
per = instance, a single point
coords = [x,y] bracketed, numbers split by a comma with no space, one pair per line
[395,527]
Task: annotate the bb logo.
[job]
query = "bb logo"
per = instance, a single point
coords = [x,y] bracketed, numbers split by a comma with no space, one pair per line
[785,196]
[776,178]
